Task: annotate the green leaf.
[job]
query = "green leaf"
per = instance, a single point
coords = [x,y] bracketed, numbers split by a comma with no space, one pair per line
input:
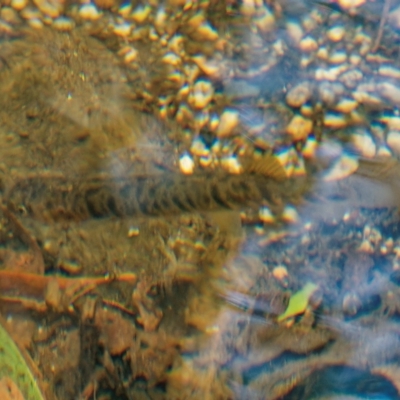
[14,366]
[298,302]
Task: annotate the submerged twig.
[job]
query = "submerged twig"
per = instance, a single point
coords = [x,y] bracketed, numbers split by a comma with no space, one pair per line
[384,15]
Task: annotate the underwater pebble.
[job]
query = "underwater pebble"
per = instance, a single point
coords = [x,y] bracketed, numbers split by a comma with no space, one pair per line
[347,4]
[342,168]
[141,13]
[346,106]
[205,32]
[323,53]
[133,231]
[231,164]
[266,21]
[299,94]
[330,74]
[351,304]
[186,164]
[123,30]
[198,148]
[364,144]
[280,272]
[209,67]
[394,18]
[5,27]
[228,121]
[294,31]
[389,92]
[201,94]
[63,24]
[336,33]
[308,44]
[19,4]
[338,57]
[89,12]
[389,71]
[334,120]
[383,151]
[48,8]
[310,147]
[265,215]
[299,127]
[393,141]
[290,215]
[104,3]
[351,78]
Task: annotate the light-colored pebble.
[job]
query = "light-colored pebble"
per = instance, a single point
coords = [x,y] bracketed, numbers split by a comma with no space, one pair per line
[265,215]
[89,12]
[19,4]
[63,24]
[383,151]
[310,147]
[348,4]
[209,67]
[364,144]
[308,44]
[336,33]
[294,31]
[171,59]
[30,13]
[35,23]
[198,148]
[200,120]
[338,57]
[133,231]
[389,71]
[394,18]
[335,120]
[186,164]
[201,94]
[346,106]
[280,272]
[299,94]
[392,122]
[123,30]
[231,164]
[5,27]
[299,127]
[390,92]
[130,55]
[393,141]
[330,74]
[228,121]
[125,9]
[342,168]
[351,78]
[290,215]
[363,95]
[141,13]
[9,15]
[323,53]
[52,9]
[266,21]
[205,32]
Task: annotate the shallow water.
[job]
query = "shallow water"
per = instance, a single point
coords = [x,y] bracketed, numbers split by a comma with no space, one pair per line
[200,199]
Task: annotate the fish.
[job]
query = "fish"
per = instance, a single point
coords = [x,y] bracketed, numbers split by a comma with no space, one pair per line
[157,194]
